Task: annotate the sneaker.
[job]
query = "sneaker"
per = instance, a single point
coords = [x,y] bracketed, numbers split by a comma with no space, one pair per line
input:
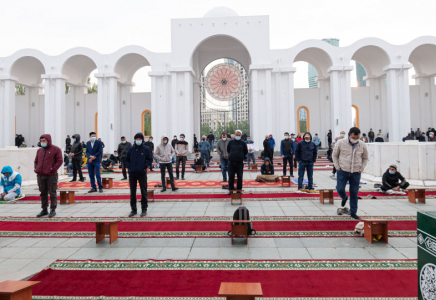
[74,180]
[92,191]
[100,190]
[390,192]
[52,213]
[124,178]
[43,213]
[332,176]
[343,202]
[132,213]
[163,190]
[302,191]
[175,189]
[354,216]
[143,213]
[340,211]
[82,180]
[345,210]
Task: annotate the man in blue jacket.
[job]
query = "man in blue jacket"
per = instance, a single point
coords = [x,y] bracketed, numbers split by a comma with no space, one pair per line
[138,159]
[94,152]
[10,184]
[306,155]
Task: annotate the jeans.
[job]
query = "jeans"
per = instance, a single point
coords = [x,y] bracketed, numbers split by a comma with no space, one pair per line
[123,167]
[354,180]
[77,168]
[205,156]
[371,140]
[316,148]
[70,167]
[285,163]
[142,179]
[237,168]
[94,171]
[305,165]
[168,166]
[194,167]
[47,186]
[224,167]
[253,158]
[181,159]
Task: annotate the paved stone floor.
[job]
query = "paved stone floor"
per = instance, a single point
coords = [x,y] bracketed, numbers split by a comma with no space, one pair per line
[22,257]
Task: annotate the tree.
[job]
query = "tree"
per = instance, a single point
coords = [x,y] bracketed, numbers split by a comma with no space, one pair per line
[67,89]
[94,88]
[245,127]
[147,123]
[20,90]
[219,130]
[231,127]
[205,129]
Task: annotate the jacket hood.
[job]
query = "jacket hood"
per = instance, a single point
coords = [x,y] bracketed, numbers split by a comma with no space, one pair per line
[77,137]
[48,138]
[267,159]
[7,169]
[139,135]
[165,136]
[307,132]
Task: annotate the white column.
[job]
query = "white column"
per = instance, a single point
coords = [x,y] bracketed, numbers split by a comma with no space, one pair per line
[291,101]
[7,111]
[324,108]
[375,102]
[398,101]
[108,110]
[269,106]
[283,106]
[254,110]
[54,108]
[188,124]
[340,91]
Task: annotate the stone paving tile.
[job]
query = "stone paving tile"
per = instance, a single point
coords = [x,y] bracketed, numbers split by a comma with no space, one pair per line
[207,243]
[354,253]
[289,242]
[4,241]
[76,242]
[401,242]
[31,253]
[7,252]
[145,253]
[59,253]
[316,242]
[115,253]
[233,253]
[88,253]
[127,242]
[14,264]
[294,253]
[37,265]
[174,253]
[49,242]
[324,253]
[24,242]
[385,253]
[410,253]
[263,253]
[204,253]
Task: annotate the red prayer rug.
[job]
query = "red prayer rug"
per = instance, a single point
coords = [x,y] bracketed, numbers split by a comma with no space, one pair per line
[280,279]
[198,226]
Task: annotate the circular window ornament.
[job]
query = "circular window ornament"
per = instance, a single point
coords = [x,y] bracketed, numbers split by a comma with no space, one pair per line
[224,82]
[427,281]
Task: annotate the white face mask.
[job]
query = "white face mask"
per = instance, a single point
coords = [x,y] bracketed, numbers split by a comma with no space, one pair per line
[353,141]
[286,137]
[181,139]
[165,141]
[123,142]
[307,141]
[224,139]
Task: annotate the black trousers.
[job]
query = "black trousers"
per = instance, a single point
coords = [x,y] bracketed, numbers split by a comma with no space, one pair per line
[77,168]
[48,186]
[291,165]
[235,168]
[178,160]
[169,167]
[123,166]
[142,180]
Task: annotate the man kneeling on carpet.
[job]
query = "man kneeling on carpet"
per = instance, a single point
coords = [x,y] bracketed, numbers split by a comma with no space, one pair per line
[393,182]
[10,184]
[138,159]
[107,165]
[267,172]
[198,161]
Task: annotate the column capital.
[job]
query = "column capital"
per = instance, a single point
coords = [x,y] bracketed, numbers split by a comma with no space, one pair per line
[260,67]
[159,73]
[107,75]
[284,70]
[397,67]
[8,77]
[340,69]
[422,75]
[182,70]
[54,76]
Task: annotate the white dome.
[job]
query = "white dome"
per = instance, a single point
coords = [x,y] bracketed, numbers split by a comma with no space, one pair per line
[220,12]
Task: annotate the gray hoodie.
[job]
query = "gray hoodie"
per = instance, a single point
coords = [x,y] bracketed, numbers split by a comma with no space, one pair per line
[164,152]
[221,148]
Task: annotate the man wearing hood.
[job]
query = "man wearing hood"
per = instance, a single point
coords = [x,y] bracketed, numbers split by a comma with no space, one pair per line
[10,184]
[164,154]
[94,153]
[221,149]
[47,162]
[182,150]
[123,147]
[306,155]
[138,159]
[76,154]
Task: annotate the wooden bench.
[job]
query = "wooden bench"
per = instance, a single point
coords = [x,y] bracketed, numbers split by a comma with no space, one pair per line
[286,180]
[198,169]
[150,195]
[102,228]
[416,193]
[236,195]
[326,194]
[240,290]
[17,290]
[107,182]
[66,195]
[375,226]
[240,229]
[254,166]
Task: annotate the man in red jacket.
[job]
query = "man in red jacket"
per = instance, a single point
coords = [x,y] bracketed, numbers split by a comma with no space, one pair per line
[47,162]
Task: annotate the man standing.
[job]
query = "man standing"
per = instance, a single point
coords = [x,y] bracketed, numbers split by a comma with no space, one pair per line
[165,153]
[204,147]
[174,142]
[182,150]
[138,159]
[350,157]
[76,154]
[273,145]
[150,145]
[47,162]
[412,133]
[287,150]
[237,150]
[123,147]
[371,135]
[418,134]
[251,150]
[329,137]
[211,139]
[94,151]
[306,155]
[102,144]
[316,141]
[221,149]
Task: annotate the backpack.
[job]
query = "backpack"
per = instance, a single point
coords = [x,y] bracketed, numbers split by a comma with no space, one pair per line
[242,213]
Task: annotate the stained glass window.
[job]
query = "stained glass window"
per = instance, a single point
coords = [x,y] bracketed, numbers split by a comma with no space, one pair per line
[146,123]
[302,120]
[224,82]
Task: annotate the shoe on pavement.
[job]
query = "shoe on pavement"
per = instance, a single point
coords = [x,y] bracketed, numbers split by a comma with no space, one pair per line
[132,213]
[343,202]
[345,210]
[354,216]
[163,190]
[100,190]
[143,213]
[73,180]
[43,213]
[340,211]
[82,180]
[124,178]
[302,191]
[390,192]
[52,213]
[332,176]
[175,189]
[92,191]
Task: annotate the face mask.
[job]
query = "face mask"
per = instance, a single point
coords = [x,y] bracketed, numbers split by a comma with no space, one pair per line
[286,137]
[151,140]
[115,154]
[181,139]
[307,141]
[224,139]
[342,135]
[293,139]
[74,140]
[105,159]
[123,142]
[138,143]
[391,172]
[237,138]
[353,141]
[93,138]
[165,141]
[43,144]
[204,140]
[175,138]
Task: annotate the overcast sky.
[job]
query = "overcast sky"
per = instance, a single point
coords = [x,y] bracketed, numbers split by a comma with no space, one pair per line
[54,26]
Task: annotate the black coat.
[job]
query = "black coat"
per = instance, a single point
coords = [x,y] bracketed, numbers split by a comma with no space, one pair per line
[379,140]
[122,149]
[77,148]
[237,151]
[267,148]
[392,180]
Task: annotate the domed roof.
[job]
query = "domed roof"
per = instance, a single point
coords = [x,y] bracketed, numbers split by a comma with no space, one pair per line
[220,12]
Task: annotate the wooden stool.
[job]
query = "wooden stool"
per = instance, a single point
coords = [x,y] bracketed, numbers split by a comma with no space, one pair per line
[106,227]
[236,196]
[241,229]
[326,194]
[375,226]
[17,290]
[198,169]
[107,182]
[417,193]
[66,195]
[150,195]
[254,166]
[286,180]
[240,290]
[168,182]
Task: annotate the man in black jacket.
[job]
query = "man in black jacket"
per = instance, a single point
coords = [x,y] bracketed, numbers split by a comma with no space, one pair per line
[393,182]
[138,159]
[174,142]
[77,153]
[306,155]
[237,150]
[123,147]
[149,144]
